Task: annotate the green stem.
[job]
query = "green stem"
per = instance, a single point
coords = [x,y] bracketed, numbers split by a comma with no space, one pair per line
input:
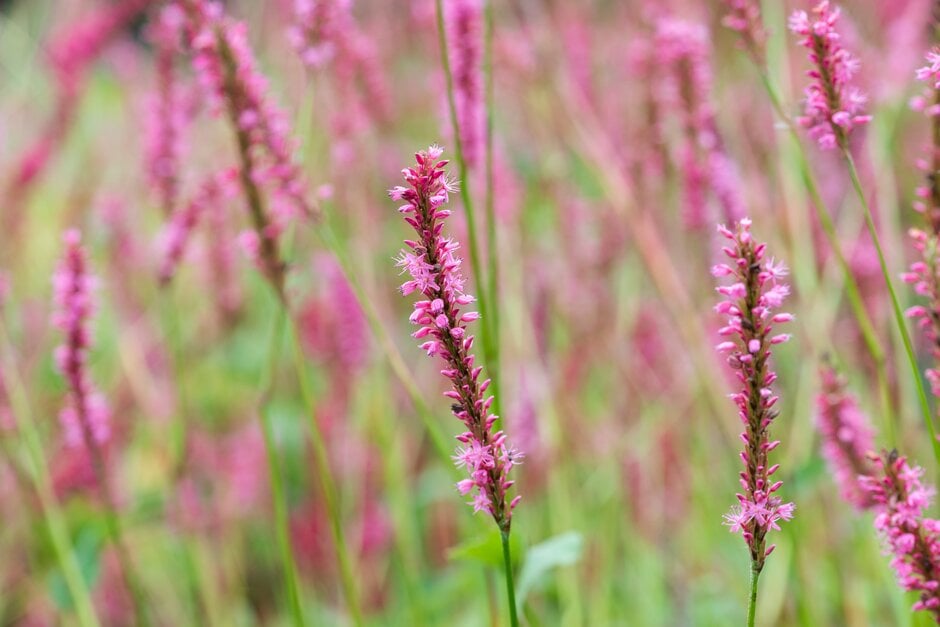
[492,245]
[327,484]
[895,305]
[752,600]
[55,521]
[179,427]
[867,328]
[486,328]
[399,367]
[510,588]
[278,494]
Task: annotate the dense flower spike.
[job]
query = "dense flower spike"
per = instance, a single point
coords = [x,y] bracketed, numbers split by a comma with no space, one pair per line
[847,437]
[901,501]
[757,291]
[465,38]
[434,268]
[228,72]
[166,112]
[74,49]
[319,29]
[85,417]
[832,107]
[923,274]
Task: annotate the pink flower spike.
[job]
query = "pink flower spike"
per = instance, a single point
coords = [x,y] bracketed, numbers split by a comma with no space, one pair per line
[85,417]
[901,502]
[755,291]
[832,108]
[847,437]
[434,268]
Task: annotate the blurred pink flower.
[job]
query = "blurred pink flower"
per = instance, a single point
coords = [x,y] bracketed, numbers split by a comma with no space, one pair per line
[166,111]
[683,51]
[901,502]
[85,417]
[924,274]
[465,38]
[176,233]
[325,34]
[744,17]
[318,29]
[847,437]
[228,73]
[70,52]
[73,49]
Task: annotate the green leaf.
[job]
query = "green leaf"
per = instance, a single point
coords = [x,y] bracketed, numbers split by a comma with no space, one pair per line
[541,559]
[486,548]
[87,548]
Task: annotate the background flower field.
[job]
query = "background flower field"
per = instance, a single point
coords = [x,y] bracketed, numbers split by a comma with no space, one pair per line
[276,448]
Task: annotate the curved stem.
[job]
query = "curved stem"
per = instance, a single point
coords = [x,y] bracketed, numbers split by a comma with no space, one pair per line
[852,292]
[895,305]
[510,587]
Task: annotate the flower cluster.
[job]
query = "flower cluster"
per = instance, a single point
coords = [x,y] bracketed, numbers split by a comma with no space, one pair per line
[751,301]
[923,273]
[928,103]
[847,437]
[85,417]
[70,53]
[901,501]
[434,268]
[166,111]
[832,108]
[325,33]
[465,37]
[228,73]
[744,18]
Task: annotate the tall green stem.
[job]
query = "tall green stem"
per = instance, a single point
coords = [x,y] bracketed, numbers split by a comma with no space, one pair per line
[327,484]
[895,305]
[39,471]
[510,587]
[852,292]
[752,600]
[487,330]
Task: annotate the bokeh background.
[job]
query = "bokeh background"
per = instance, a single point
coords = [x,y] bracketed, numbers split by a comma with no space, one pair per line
[604,233]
